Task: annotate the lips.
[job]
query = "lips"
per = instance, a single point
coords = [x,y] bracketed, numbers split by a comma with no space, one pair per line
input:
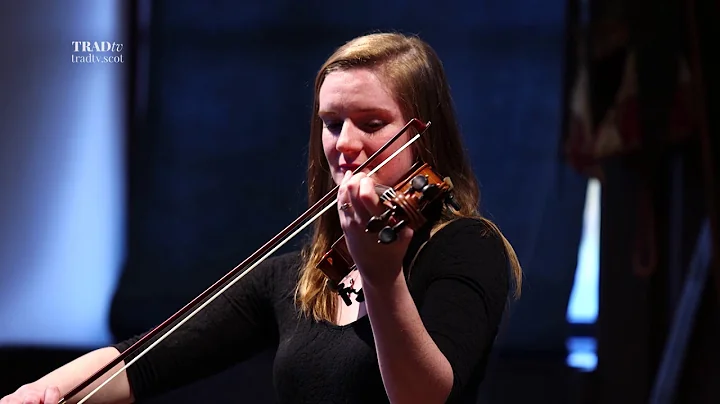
[348,167]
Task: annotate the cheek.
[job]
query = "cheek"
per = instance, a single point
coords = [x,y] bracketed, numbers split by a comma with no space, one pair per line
[404,161]
[328,144]
[405,157]
[397,168]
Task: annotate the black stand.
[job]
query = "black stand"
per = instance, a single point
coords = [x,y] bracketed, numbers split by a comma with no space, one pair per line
[663,391]
[702,28]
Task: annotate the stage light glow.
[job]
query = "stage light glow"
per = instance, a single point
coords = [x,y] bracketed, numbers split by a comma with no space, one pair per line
[63,196]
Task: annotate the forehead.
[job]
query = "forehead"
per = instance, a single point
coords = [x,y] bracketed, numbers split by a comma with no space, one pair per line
[347,91]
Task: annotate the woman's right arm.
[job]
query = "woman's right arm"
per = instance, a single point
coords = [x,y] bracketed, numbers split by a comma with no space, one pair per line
[51,387]
[236,326]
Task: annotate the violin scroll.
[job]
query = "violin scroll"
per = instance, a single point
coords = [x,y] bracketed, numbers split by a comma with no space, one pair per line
[406,204]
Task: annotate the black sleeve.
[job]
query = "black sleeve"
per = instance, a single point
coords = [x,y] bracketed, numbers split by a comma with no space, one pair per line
[466,278]
[235,326]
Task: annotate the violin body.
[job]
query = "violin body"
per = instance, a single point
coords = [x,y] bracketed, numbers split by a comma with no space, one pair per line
[406,205]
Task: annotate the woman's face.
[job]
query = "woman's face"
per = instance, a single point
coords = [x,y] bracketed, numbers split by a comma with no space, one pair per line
[359,115]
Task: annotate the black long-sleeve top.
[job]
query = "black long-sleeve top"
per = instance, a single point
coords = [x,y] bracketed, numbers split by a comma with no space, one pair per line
[459,282]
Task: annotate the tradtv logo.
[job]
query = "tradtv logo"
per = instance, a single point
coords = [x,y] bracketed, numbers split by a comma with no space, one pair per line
[97,52]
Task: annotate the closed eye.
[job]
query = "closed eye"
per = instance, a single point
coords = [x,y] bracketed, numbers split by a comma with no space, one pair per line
[333,126]
[368,126]
[374,125]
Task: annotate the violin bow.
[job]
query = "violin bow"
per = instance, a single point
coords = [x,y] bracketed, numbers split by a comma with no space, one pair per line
[229,279]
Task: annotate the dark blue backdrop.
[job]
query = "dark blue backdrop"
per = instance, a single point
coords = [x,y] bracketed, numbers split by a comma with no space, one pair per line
[218,162]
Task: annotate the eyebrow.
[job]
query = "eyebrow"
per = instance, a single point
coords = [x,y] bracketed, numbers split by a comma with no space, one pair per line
[361,110]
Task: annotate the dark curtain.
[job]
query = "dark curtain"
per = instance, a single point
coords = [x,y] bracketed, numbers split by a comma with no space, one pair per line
[635,119]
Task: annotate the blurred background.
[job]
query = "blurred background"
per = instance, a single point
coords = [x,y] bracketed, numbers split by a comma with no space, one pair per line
[134,176]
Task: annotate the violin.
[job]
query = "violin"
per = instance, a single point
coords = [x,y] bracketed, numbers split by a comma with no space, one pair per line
[405,205]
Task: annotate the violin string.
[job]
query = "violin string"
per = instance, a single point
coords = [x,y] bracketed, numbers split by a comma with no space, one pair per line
[240,276]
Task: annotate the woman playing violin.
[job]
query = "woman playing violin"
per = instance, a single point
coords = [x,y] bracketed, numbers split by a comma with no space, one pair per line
[424,310]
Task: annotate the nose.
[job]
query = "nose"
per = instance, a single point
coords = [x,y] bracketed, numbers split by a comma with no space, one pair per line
[349,141]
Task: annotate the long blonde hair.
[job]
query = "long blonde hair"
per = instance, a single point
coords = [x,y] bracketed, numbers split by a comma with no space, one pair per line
[416,75]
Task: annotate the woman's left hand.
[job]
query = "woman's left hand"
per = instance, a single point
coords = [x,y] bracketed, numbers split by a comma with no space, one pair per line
[379,264]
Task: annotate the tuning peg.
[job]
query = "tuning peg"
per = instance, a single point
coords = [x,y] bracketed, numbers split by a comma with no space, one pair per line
[389,234]
[419,182]
[450,200]
[376,223]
